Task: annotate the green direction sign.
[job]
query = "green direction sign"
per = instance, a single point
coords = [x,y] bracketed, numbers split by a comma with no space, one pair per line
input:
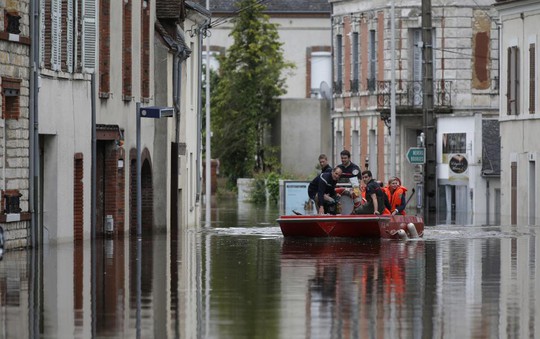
[416,155]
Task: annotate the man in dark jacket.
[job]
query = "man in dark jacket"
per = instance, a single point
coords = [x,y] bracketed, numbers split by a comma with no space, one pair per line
[322,190]
[349,168]
[323,162]
[374,196]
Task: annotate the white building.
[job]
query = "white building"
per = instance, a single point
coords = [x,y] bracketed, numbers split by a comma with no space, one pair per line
[519,111]
[138,54]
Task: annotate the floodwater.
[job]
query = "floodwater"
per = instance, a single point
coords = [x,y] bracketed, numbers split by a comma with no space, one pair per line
[239,278]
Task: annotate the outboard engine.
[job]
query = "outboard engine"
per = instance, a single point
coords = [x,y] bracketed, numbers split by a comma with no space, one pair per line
[412,230]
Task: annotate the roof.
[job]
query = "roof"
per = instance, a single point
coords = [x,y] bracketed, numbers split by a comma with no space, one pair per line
[170,9]
[273,6]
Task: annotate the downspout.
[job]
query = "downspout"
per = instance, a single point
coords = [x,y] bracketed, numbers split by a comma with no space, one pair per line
[177,69]
[34,259]
[487,201]
[179,57]
[199,108]
[94,156]
[33,192]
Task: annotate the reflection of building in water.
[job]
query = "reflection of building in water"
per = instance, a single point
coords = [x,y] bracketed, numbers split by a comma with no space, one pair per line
[356,285]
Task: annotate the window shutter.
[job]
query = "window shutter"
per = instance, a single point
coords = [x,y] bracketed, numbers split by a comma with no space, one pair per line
[532,73]
[508,81]
[89,36]
[56,30]
[517,82]
[43,33]
[70,36]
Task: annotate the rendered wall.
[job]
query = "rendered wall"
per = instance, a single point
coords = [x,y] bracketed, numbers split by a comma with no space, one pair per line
[306,132]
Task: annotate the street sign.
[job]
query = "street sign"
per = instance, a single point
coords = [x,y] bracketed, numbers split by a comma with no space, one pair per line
[156,112]
[416,155]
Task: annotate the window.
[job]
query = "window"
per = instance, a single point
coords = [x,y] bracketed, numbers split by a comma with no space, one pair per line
[338,86]
[63,21]
[512,73]
[13,23]
[355,63]
[355,147]
[372,70]
[10,97]
[532,73]
[104,48]
[126,52]
[145,50]
[321,74]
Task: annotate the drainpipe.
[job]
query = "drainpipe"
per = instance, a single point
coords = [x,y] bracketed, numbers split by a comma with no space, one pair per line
[199,106]
[34,262]
[177,74]
[487,201]
[33,192]
[94,156]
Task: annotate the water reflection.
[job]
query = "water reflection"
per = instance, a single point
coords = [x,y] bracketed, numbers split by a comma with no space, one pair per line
[355,288]
[239,278]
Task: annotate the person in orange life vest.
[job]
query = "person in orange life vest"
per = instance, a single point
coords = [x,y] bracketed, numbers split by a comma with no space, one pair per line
[396,194]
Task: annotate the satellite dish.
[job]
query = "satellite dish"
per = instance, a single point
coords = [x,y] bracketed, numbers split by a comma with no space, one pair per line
[325,90]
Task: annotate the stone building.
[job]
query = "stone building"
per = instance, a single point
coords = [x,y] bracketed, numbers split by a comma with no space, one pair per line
[15,42]
[465,95]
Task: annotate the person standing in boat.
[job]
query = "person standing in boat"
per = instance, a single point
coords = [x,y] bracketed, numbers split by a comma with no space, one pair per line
[349,168]
[323,162]
[374,196]
[322,190]
[396,196]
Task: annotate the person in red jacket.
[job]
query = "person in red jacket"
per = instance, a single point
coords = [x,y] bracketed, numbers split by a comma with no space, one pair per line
[396,194]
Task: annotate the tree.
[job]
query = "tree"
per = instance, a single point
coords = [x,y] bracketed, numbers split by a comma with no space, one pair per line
[251,79]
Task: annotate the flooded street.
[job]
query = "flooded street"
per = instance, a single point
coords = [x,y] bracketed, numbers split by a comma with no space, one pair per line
[239,278]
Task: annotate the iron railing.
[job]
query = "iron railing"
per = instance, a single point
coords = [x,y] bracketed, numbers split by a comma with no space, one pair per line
[410,94]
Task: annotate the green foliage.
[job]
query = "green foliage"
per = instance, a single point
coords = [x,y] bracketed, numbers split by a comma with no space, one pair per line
[266,182]
[258,192]
[272,185]
[251,79]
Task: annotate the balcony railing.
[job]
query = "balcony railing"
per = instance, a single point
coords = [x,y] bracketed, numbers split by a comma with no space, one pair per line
[409,94]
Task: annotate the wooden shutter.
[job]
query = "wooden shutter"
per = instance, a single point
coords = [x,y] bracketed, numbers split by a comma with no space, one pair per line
[70,35]
[532,73]
[89,36]
[516,85]
[512,72]
[43,37]
[56,34]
